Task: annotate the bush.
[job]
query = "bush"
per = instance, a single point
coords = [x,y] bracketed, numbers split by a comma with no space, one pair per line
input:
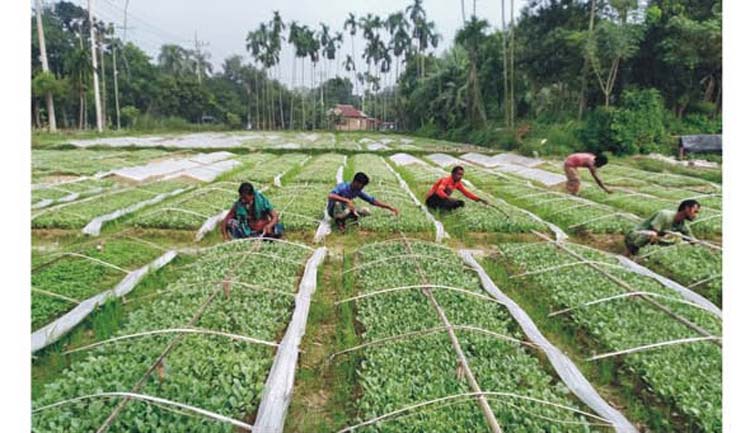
[556,139]
[234,121]
[637,126]
[596,134]
[129,114]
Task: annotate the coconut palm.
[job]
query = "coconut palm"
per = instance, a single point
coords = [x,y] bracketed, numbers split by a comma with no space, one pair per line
[471,37]
[351,24]
[174,60]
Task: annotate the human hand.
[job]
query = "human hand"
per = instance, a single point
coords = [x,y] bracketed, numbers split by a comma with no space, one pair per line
[395,211]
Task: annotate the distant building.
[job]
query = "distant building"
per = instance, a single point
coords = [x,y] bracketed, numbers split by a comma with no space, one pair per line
[348,118]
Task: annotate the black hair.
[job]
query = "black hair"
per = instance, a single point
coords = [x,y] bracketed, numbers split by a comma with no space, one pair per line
[687,203]
[361,178]
[246,188]
[600,160]
[456,168]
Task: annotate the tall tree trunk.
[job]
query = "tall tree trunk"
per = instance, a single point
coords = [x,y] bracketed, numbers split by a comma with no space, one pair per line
[104,83]
[45,67]
[584,76]
[506,94]
[35,108]
[81,105]
[257,102]
[512,66]
[291,94]
[281,105]
[302,97]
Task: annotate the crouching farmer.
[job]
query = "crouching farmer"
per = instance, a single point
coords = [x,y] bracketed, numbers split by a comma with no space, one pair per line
[341,201]
[439,195]
[251,216]
[656,227]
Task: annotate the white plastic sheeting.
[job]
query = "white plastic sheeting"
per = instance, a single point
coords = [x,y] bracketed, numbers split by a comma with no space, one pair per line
[153,170]
[402,159]
[210,158]
[510,158]
[377,146]
[565,368]
[207,173]
[94,227]
[479,159]
[55,330]
[686,293]
[277,393]
[118,142]
[210,224]
[440,232]
[515,164]
[189,167]
[444,160]
[324,228]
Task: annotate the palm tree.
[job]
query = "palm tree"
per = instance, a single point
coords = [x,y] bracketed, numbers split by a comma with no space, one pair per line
[470,37]
[256,43]
[370,25]
[78,65]
[174,60]
[313,51]
[295,38]
[351,24]
[398,28]
[417,16]
[276,39]
[326,44]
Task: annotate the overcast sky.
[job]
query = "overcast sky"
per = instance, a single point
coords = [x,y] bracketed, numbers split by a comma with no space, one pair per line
[223,24]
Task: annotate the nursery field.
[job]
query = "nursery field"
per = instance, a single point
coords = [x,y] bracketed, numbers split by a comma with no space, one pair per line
[519,315]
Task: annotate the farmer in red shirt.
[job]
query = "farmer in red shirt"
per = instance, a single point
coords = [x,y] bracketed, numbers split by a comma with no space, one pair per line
[578,160]
[439,195]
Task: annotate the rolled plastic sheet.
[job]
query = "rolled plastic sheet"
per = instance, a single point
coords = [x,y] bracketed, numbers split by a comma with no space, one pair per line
[565,368]
[210,224]
[54,331]
[686,293]
[440,232]
[94,227]
[324,228]
[444,160]
[277,393]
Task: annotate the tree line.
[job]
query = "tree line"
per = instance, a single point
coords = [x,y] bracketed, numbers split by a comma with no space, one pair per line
[556,61]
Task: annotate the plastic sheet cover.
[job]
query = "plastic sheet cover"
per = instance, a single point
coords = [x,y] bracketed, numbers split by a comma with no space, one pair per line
[440,232]
[402,159]
[94,227]
[686,293]
[444,160]
[277,393]
[565,368]
[57,329]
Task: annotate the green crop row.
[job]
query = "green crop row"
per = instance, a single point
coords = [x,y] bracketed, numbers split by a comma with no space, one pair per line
[694,266]
[320,169]
[77,214]
[709,221]
[188,211]
[211,372]
[423,367]
[78,278]
[686,376]
[264,172]
[83,162]
[498,218]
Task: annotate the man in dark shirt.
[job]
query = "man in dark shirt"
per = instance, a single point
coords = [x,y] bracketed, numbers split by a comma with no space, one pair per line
[341,201]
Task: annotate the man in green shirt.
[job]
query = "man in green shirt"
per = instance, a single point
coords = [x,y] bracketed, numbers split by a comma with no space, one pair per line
[657,225]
